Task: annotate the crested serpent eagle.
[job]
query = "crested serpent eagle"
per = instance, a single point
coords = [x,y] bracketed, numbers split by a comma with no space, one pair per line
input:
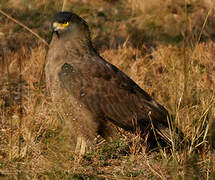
[89,92]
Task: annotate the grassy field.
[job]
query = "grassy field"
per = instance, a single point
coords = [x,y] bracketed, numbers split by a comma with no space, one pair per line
[167,47]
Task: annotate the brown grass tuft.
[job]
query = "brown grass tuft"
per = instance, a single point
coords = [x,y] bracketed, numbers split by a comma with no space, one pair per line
[42,148]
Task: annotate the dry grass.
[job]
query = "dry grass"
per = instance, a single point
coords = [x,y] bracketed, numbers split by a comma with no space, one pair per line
[34,143]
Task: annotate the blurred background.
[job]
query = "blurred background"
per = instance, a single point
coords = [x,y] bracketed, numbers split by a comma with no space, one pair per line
[166,46]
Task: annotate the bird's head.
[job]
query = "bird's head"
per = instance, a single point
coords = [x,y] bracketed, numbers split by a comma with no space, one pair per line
[68,22]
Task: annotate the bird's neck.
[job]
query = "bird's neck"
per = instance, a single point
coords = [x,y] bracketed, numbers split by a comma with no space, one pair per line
[74,46]
[79,46]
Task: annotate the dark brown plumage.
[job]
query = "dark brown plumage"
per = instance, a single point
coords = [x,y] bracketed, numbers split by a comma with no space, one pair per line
[89,92]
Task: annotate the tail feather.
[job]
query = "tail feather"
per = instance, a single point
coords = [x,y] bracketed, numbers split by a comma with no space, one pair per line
[170,136]
[162,125]
[165,133]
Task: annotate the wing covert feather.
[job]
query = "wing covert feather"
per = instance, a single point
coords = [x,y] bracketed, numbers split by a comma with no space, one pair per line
[108,91]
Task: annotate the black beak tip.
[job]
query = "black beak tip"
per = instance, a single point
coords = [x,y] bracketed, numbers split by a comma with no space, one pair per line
[56,32]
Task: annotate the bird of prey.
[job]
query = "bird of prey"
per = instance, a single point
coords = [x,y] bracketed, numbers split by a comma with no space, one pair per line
[89,92]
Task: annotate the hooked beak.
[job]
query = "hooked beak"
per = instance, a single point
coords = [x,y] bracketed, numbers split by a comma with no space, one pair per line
[55,31]
[56,26]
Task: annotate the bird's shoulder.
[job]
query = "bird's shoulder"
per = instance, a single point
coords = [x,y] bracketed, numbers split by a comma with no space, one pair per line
[97,73]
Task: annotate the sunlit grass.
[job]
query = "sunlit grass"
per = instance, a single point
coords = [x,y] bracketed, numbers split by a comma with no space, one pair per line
[44,149]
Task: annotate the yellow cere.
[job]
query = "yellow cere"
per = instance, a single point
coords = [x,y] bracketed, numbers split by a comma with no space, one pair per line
[66,24]
[60,25]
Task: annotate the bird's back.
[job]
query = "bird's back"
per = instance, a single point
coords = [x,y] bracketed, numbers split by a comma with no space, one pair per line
[108,92]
